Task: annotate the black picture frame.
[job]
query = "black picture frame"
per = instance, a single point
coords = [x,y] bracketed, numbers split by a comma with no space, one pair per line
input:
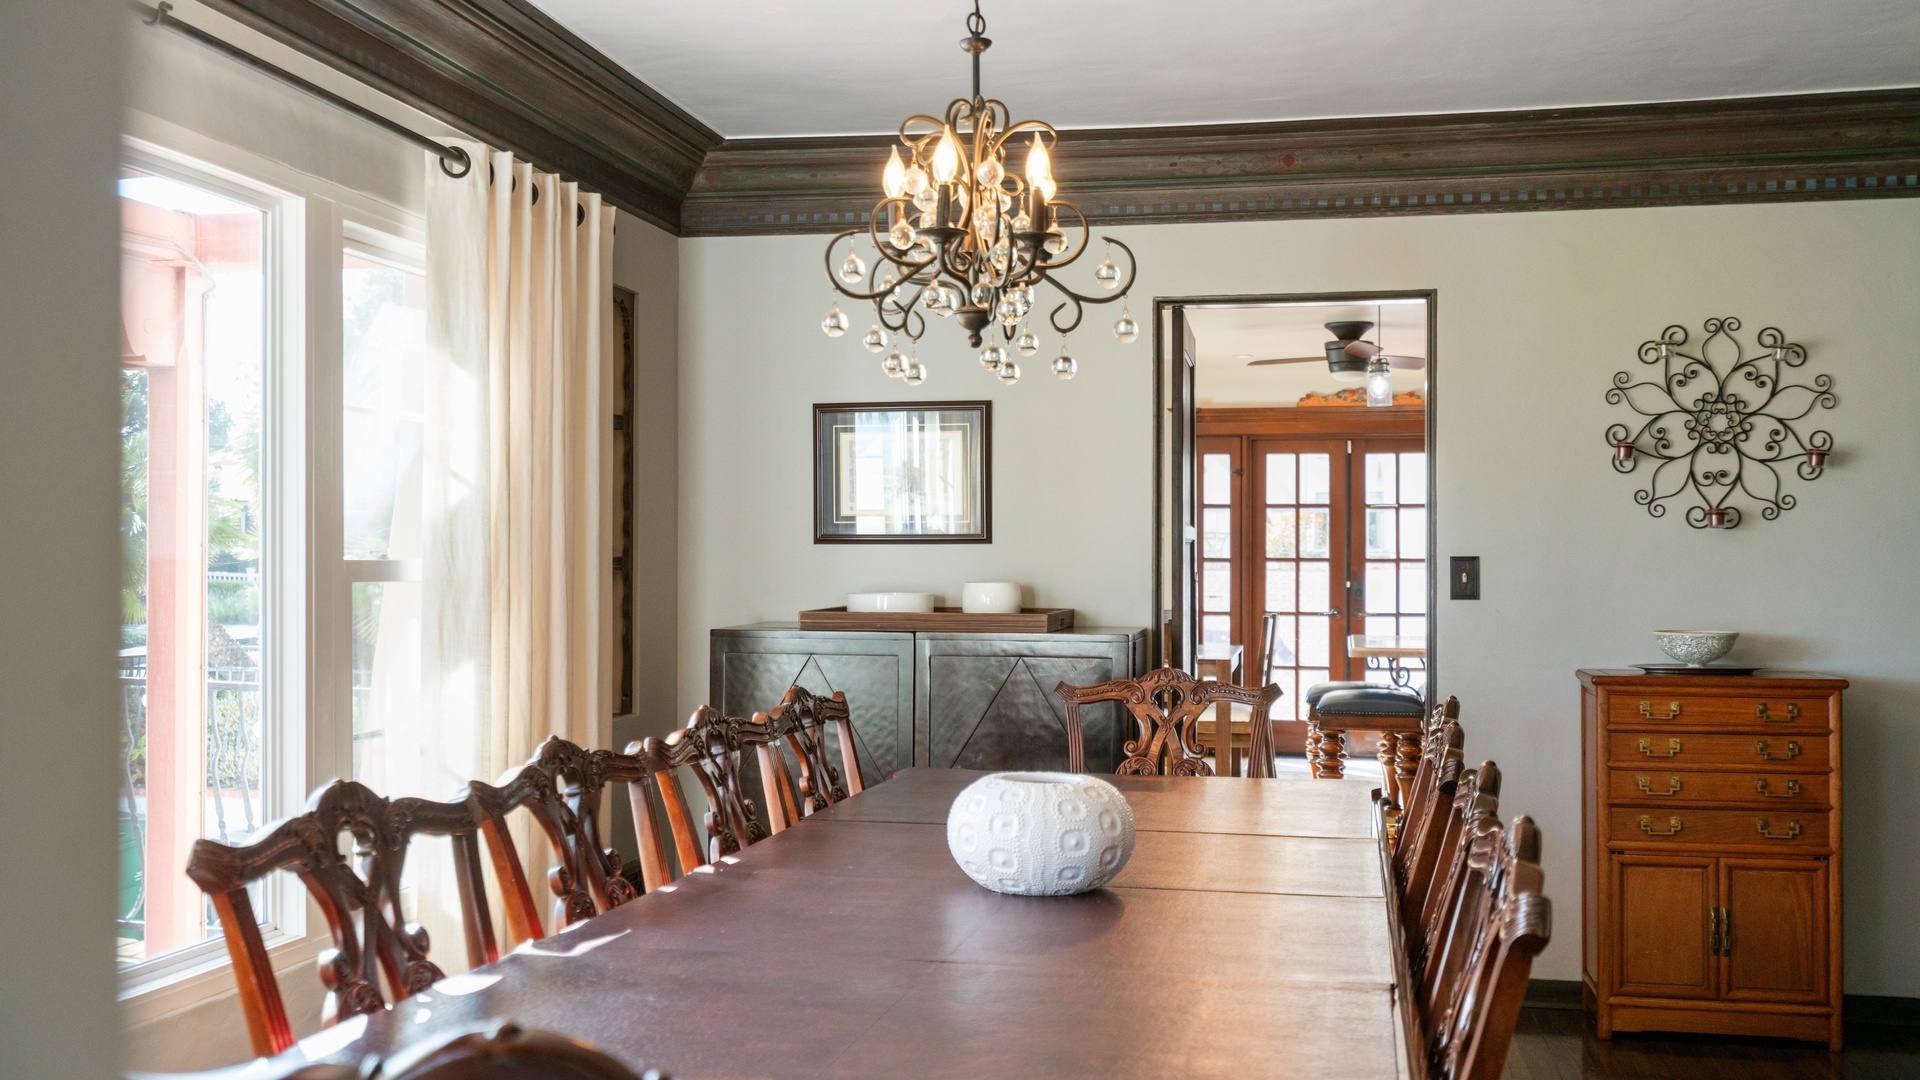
[951,441]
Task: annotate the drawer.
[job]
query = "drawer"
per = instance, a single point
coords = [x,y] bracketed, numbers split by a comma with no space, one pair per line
[1653,785]
[1759,713]
[1775,827]
[1778,750]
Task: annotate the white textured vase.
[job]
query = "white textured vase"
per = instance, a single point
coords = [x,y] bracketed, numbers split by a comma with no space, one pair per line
[1040,833]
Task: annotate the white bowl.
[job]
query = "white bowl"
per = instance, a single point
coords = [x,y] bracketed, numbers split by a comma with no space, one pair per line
[1040,833]
[990,598]
[1696,648]
[891,601]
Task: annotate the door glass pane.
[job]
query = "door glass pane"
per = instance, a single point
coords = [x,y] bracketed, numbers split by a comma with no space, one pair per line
[1413,627]
[1413,588]
[1381,626]
[1314,533]
[1315,594]
[1280,479]
[1216,478]
[1280,532]
[1380,534]
[1216,586]
[1313,639]
[1288,707]
[1280,586]
[1381,592]
[1413,534]
[1215,631]
[1315,487]
[1413,478]
[383,346]
[194,739]
[1380,478]
[1216,532]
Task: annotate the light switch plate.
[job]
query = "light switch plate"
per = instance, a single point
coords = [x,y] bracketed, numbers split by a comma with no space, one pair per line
[1463,575]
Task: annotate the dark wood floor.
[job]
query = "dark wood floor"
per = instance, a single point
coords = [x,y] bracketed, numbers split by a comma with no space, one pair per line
[1558,1044]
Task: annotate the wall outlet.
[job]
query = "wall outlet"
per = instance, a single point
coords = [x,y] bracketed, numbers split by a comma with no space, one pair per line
[1463,574]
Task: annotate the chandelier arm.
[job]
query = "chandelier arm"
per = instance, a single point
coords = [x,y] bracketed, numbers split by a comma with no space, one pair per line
[1052,136]
[1073,252]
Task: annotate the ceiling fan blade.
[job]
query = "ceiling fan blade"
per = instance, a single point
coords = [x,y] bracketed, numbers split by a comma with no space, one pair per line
[1365,350]
[1289,360]
[1409,362]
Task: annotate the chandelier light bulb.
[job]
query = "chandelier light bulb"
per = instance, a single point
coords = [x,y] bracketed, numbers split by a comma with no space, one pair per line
[992,357]
[1064,366]
[835,323]
[1126,330]
[875,340]
[1027,343]
[946,158]
[915,373]
[853,269]
[1379,383]
[1040,168]
[894,179]
[1009,373]
[895,365]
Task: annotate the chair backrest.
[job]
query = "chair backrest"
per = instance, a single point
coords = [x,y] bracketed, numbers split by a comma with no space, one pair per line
[801,721]
[560,787]
[1423,834]
[1476,808]
[1166,706]
[380,941]
[1262,669]
[710,746]
[503,1050]
[1440,736]
[1471,1031]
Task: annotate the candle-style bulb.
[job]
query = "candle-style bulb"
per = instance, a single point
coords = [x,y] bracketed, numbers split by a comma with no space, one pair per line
[946,159]
[1040,168]
[894,178]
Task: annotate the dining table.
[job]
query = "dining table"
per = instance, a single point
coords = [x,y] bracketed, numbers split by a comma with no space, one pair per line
[1248,935]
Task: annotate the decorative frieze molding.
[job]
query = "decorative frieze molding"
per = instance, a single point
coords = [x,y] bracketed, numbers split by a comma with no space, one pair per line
[509,74]
[1856,145]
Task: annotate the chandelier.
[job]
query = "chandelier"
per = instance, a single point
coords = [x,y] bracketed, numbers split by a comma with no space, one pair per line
[960,236]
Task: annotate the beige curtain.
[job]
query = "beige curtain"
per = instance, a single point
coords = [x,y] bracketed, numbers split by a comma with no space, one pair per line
[518,567]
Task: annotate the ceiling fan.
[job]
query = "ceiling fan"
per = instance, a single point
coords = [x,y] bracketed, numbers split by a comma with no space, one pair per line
[1347,356]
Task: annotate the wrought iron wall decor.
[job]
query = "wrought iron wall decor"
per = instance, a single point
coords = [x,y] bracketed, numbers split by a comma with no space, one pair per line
[1720,423]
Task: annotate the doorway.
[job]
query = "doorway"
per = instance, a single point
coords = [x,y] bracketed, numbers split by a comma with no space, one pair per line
[1281,491]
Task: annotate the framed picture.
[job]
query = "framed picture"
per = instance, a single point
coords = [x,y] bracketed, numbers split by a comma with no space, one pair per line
[903,472]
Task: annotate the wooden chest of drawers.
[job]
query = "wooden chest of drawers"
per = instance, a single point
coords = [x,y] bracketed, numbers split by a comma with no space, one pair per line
[1711,834]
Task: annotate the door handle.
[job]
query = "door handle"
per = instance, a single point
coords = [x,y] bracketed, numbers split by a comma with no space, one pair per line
[1329,614]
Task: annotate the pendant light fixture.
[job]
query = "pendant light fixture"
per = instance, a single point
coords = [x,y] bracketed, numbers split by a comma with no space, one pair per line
[958,235]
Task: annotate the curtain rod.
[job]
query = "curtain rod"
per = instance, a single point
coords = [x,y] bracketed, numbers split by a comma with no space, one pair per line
[453,160]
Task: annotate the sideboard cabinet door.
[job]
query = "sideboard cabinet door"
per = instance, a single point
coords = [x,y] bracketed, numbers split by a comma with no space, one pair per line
[752,669]
[987,702]
[1776,944]
[1664,907]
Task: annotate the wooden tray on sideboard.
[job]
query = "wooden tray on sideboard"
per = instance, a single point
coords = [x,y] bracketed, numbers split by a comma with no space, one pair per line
[1042,620]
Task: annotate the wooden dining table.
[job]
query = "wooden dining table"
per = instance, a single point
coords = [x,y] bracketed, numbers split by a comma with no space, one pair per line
[1247,936]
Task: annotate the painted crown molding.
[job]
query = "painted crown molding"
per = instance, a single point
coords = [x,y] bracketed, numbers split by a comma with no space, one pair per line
[506,72]
[1853,145]
[509,74]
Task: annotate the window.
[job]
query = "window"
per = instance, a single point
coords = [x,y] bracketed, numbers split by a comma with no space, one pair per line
[197,742]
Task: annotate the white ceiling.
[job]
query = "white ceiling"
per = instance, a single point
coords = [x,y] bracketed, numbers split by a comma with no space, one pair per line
[819,67]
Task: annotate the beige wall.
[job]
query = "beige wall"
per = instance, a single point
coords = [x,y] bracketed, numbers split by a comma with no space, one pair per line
[1536,311]
[59,487]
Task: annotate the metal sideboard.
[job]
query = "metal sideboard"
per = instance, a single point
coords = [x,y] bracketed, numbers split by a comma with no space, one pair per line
[952,700]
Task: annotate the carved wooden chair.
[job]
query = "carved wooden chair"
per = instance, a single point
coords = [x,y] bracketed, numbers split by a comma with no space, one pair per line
[1419,851]
[1476,808]
[1166,706]
[365,884]
[1404,822]
[560,787]
[1416,758]
[801,721]
[711,748]
[1419,897]
[498,1050]
[1469,1033]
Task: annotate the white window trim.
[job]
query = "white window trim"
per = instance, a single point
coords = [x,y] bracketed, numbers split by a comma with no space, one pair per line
[306,602]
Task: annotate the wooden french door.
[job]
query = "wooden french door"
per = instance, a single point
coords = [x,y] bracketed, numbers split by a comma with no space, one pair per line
[1327,533]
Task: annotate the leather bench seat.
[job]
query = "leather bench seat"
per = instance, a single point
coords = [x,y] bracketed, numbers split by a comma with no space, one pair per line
[1372,700]
[1320,689]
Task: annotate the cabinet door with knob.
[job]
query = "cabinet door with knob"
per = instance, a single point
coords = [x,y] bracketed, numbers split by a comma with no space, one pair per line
[1712,851]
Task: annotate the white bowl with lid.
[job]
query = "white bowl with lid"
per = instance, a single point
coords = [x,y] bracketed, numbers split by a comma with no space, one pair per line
[892,601]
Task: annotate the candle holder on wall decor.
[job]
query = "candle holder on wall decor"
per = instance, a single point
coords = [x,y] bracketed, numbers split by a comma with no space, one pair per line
[1720,423]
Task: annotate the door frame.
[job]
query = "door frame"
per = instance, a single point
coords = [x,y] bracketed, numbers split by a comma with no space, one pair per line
[1169,315]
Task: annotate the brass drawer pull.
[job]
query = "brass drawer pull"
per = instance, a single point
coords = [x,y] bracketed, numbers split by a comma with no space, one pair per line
[1673,826]
[1673,748]
[1793,789]
[1760,745]
[1673,786]
[1793,830]
[1793,713]
[1646,710]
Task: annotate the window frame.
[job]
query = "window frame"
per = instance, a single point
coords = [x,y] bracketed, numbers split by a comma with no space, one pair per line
[305,595]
